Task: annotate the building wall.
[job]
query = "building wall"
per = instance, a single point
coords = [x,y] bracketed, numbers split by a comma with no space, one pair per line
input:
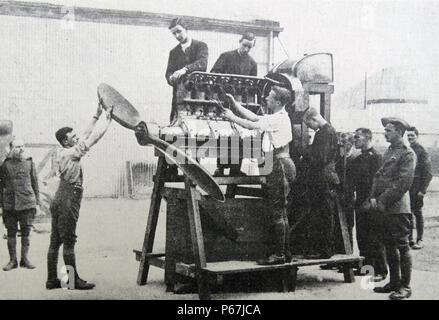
[50,71]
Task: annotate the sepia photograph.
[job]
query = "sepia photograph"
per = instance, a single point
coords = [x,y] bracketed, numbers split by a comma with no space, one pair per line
[240,151]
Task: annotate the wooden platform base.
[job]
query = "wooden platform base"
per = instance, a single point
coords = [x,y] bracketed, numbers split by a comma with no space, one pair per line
[288,270]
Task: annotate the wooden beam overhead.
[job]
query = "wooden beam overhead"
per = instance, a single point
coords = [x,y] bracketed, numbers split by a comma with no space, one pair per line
[137,18]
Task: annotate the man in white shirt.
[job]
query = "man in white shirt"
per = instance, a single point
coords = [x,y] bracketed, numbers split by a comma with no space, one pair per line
[67,201]
[277,127]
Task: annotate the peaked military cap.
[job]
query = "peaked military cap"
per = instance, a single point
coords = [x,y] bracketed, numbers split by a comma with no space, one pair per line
[396,121]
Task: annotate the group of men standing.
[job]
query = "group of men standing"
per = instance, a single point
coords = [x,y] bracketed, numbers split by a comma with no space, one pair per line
[19,191]
[19,200]
[388,189]
[191,55]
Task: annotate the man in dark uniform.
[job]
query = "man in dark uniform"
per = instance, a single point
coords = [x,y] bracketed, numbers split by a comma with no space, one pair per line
[19,197]
[238,61]
[67,200]
[390,196]
[343,167]
[423,176]
[278,128]
[321,181]
[346,194]
[369,224]
[190,55]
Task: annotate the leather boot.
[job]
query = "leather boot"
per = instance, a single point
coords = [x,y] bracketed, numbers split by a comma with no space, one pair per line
[52,267]
[70,260]
[388,288]
[12,264]
[418,245]
[406,267]
[83,285]
[272,260]
[278,257]
[402,293]
[280,237]
[24,262]
[394,261]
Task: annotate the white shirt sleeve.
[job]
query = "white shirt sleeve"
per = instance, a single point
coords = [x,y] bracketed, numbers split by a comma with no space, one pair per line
[277,128]
[77,151]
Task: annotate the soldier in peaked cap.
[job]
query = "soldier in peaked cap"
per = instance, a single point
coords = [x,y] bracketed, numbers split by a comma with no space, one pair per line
[19,198]
[390,197]
[396,122]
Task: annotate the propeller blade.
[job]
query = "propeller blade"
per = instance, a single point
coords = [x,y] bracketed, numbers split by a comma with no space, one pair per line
[191,168]
[123,111]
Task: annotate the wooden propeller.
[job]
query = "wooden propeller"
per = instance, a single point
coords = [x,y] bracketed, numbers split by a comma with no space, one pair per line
[126,115]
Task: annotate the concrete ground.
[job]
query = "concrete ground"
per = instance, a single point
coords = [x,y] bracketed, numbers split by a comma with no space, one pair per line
[109,229]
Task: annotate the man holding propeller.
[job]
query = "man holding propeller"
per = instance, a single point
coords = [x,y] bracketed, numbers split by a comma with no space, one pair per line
[67,201]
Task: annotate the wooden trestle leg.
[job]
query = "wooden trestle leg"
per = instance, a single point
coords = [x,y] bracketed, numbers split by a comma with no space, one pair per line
[151,226]
[197,240]
[347,267]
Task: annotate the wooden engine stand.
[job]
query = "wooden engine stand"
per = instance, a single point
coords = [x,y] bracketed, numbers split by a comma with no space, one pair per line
[208,240]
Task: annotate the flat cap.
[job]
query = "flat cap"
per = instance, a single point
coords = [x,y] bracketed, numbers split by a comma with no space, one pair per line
[396,121]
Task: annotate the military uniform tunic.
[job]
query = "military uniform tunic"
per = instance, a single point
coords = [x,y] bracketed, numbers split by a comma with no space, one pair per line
[369,225]
[391,190]
[19,194]
[393,180]
[317,213]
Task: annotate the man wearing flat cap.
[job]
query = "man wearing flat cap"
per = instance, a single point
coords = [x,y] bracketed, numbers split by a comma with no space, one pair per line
[390,197]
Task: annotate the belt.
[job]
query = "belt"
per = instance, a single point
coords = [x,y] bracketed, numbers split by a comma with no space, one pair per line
[281,155]
[75,185]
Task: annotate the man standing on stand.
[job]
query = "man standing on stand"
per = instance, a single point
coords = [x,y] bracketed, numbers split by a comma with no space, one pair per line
[189,56]
[283,172]
[236,62]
